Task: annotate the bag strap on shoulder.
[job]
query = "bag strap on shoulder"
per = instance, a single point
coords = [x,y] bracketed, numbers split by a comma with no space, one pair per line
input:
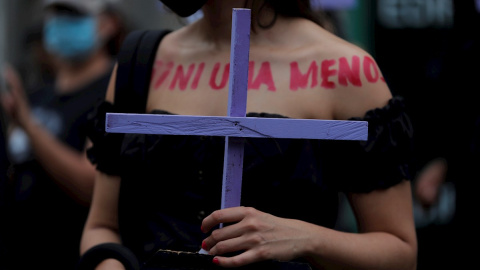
[134,70]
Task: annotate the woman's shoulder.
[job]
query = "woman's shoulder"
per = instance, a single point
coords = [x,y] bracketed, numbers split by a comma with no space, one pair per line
[324,43]
[348,74]
[182,42]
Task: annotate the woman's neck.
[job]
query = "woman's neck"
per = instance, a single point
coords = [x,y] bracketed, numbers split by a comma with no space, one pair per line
[217,20]
[216,24]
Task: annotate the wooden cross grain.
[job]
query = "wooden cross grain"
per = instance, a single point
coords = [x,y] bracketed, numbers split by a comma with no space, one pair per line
[235,126]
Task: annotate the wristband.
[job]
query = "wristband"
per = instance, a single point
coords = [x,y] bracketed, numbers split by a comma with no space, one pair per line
[95,255]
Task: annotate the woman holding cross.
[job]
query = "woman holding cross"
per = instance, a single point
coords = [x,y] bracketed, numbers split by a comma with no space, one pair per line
[170,185]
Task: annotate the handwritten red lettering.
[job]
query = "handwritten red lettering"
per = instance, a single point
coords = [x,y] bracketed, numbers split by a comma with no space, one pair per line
[251,70]
[328,72]
[213,78]
[299,80]
[164,71]
[181,77]
[264,77]
[370,66]
[198,75]
[347,73]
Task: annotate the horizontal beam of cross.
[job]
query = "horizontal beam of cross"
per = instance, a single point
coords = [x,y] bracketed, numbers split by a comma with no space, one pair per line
[236,126]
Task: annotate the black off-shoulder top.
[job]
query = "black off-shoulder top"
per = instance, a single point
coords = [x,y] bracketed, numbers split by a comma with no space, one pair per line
[170,183]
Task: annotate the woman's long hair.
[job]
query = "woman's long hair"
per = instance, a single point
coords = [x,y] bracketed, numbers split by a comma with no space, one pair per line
[265,12]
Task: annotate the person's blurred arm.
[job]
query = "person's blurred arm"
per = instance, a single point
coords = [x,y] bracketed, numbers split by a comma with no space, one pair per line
[429,182]
[70,169]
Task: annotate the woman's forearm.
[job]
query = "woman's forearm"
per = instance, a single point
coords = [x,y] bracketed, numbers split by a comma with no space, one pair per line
[69,168]
[93,236]
[330,249]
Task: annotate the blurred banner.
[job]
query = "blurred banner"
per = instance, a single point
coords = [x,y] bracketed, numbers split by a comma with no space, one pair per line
[415,14]
[333,4]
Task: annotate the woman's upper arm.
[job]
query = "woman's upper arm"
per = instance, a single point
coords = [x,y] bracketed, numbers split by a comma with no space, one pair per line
[105,197]
[105,194]
[354,100]
[389,211]
[102,222]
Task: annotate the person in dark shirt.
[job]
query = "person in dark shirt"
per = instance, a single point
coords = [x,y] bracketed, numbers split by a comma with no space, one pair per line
[51,180]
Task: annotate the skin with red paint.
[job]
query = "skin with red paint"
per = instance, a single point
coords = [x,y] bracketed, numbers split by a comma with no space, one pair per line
[318,71]
[347,73]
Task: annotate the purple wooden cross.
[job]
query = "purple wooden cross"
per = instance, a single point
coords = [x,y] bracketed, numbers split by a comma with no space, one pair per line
[236,126]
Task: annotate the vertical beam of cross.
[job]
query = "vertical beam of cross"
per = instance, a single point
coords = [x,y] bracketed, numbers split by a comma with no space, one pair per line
[237,106]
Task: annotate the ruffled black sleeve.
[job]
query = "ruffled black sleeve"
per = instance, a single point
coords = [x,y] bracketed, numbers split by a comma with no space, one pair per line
[106,149]
[382,161]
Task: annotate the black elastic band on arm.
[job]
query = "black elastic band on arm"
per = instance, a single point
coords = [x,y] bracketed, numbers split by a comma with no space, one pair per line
[99,253]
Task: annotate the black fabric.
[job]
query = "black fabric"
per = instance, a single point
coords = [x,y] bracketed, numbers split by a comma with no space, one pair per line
[170,183]
[126,60]
[384,160]
[43,224]
[143,72]
[134,65]
[105,152]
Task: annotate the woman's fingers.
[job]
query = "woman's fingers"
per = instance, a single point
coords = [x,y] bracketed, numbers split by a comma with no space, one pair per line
[218,235]
[254,236]
[247,257]
[230,245]
[15,103]
[228,215]
[12,79]
[7,103]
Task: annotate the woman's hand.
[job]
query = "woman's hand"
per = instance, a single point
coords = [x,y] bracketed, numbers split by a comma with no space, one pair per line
[430,181]
[256,235]
[14,100]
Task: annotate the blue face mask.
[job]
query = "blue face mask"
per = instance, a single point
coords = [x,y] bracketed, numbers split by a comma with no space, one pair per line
[70,37]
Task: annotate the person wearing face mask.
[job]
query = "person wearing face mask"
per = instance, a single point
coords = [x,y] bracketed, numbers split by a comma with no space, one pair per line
[51,179]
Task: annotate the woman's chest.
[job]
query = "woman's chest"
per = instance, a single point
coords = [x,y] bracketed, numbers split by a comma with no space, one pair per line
[200,86]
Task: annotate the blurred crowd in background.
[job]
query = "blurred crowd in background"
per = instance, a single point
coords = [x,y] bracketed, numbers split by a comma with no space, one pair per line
[429,53]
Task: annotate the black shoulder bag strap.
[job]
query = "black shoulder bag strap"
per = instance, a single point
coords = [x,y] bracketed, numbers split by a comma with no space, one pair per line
[134,70]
